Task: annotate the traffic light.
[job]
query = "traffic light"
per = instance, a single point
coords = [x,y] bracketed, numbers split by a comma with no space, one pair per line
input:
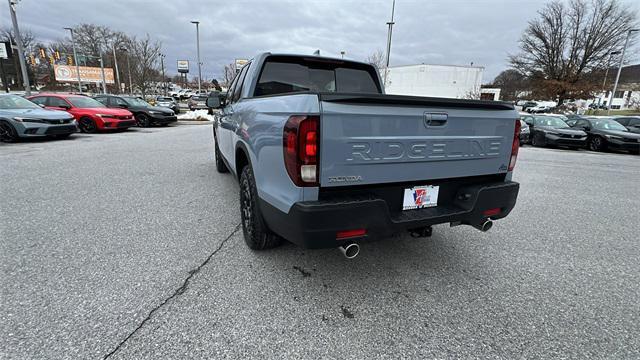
[57,55]
[69,60]
[43,55]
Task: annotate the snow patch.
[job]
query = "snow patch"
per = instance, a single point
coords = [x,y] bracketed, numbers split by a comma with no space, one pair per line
[198,115]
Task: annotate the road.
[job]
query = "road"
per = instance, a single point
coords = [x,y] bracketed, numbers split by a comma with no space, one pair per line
[127,246]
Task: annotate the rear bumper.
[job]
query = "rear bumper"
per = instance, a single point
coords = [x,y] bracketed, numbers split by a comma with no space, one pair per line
[117,124]
[314,224]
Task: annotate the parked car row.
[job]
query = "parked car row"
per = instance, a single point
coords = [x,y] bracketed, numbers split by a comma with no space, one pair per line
[60,115]
[595,133]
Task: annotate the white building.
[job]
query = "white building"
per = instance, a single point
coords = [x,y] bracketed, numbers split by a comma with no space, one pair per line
[448,81]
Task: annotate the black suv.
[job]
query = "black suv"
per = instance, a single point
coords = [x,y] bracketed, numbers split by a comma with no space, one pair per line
[145,114]
[606,133]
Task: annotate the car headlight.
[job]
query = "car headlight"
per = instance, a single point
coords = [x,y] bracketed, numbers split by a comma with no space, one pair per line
[106,116]
[613,137]
[154,112]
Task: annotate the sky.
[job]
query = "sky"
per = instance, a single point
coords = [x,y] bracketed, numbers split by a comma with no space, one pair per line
[455,32]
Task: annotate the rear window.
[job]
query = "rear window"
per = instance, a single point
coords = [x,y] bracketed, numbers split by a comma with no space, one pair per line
[281,75]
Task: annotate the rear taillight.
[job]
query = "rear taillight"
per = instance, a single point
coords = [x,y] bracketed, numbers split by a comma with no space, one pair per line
[515,145]
[300,144]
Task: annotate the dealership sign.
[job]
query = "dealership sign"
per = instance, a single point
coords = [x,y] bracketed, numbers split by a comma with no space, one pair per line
[183,66]
[66,73]
[240,63]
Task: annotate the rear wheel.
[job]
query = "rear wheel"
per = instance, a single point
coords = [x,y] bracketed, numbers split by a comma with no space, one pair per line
[256,233]
[596,144]
[87,125]
[142,120]
[7,132]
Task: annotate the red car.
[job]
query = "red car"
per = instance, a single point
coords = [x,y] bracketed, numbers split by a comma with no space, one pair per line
[90,114]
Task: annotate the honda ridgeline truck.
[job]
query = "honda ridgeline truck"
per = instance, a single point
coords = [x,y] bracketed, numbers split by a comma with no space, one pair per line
[325,159]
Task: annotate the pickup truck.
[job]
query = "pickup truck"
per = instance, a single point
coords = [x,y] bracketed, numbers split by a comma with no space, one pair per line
[325,159]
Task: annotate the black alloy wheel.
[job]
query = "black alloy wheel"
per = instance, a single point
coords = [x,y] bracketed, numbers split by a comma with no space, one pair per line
[142,120]
[257,235]
[7,132]
[87,125]
[596,144]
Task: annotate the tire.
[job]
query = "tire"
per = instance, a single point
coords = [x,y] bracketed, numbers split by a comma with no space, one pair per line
[87,125]
[538,140]
[596,143]
[221,167]
[142,120]
[8,133]
[257,235]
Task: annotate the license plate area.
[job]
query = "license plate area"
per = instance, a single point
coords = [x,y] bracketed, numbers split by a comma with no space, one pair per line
[419,197]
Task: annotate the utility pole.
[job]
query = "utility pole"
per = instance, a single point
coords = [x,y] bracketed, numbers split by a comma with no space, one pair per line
[164,84]
[606,74]
[21,58]
[104,81]
[115,63]
[615,86]
[75,58]
[129,69]
[198,52]
[390,24]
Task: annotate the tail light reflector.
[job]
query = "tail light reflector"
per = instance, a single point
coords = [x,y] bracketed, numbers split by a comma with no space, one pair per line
[300,145]
[347,234]
[515,145]
[491,212]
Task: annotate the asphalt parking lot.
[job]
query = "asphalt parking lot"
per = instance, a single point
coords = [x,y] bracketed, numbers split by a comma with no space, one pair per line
[127,245]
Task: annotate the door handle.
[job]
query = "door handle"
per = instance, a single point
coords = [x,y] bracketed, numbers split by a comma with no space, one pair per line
[435,119]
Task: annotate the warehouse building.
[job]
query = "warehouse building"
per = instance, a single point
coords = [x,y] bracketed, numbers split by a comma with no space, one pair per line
[448,81]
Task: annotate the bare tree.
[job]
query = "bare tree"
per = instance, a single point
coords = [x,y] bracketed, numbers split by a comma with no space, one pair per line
[144,62]
[512,83]
[570,40]
[376,59]
[229,72]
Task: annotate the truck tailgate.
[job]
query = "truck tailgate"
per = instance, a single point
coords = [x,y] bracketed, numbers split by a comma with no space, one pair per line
[374,139]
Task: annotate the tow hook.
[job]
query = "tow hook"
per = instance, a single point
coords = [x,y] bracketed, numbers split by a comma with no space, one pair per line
[421,232]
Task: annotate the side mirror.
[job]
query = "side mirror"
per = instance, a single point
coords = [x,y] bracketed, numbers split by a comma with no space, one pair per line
[213,102]
[66,107]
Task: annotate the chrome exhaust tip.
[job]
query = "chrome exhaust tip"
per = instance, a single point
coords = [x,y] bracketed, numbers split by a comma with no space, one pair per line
[485,226]
[350,251]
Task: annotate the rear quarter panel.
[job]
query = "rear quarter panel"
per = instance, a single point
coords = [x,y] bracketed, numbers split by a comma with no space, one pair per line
[259,127]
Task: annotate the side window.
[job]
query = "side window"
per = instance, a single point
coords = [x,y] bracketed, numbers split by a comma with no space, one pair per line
[118,101]
[634,122]
[103,100]
[232,88]
[238,89]
[58,102]
[39,100]
[583,123]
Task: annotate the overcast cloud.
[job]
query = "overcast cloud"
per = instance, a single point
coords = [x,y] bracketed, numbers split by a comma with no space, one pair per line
[432,31]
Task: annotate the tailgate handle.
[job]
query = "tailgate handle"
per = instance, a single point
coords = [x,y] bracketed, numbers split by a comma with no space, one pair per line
[435,119]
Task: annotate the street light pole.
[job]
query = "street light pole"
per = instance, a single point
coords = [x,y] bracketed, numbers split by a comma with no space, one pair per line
[164,84]
[16,32]
[198,52]
[390,23]
[606,74]
[104,80]
[75,59]
[615,85]
[115,63]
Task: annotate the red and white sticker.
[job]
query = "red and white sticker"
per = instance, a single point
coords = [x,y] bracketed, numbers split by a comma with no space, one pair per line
[420,197]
